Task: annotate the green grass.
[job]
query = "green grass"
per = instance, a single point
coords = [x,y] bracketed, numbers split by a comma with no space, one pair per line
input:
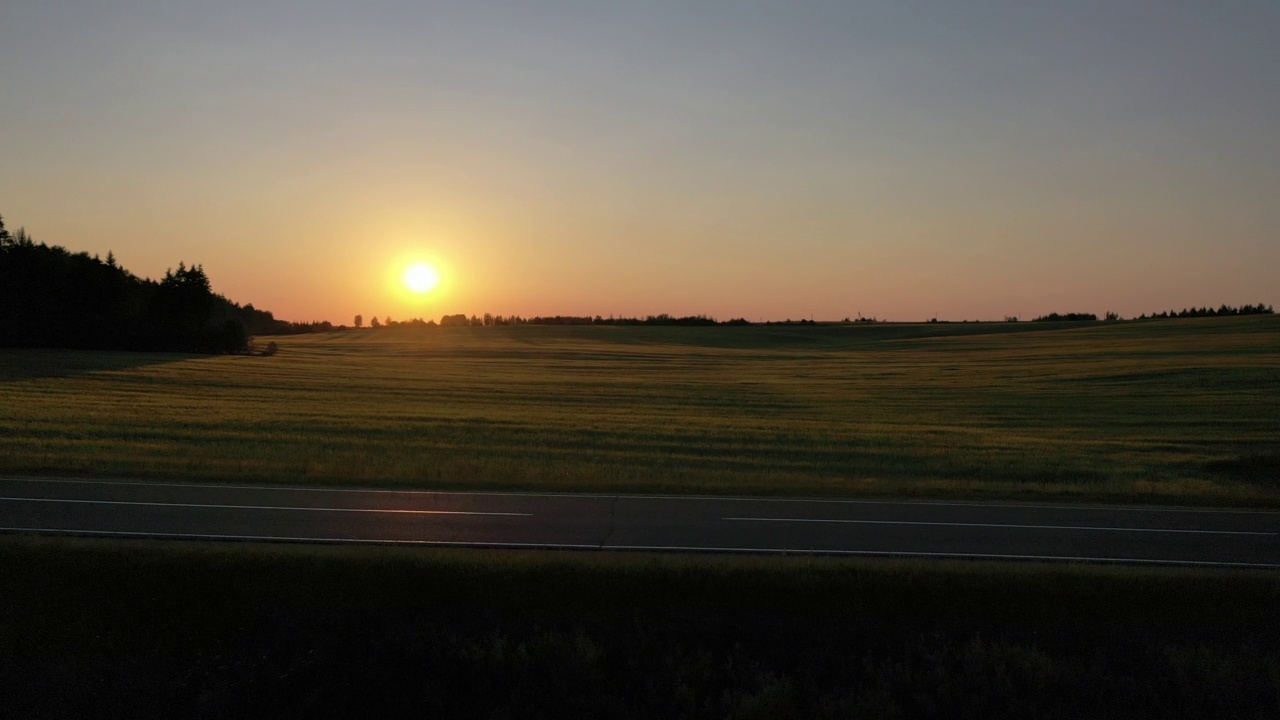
[1182,411]
[92,628]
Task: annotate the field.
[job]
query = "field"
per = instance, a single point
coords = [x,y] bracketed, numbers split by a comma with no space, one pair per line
[1180,411]
[1183,411]
[143,629]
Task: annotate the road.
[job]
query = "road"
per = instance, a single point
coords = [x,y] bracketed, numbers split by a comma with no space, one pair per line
[636,522]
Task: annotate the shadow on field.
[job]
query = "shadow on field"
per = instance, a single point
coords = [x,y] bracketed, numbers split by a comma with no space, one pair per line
[826,336]
[1258,468]
[16,365]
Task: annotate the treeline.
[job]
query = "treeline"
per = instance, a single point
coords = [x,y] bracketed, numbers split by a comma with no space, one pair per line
[51,297]
[1223,311]
[489,320]
[262,322]
[1075,317]
[662,319]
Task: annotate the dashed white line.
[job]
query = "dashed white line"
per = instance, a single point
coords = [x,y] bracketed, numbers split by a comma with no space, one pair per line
[261,507]
[996,525]
[284,538]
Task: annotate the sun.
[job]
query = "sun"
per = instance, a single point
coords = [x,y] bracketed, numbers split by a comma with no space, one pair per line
[420,278]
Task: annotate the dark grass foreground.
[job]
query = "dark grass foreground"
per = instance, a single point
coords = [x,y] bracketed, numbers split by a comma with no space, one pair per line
[145,629]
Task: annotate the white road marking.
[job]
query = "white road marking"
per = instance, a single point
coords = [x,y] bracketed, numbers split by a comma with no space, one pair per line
[632,496]
[261,507]
[979,556]
[640,548]
[997,525]
[283,538]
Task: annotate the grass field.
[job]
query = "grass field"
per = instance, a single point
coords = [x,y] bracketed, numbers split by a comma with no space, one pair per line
[1162,411]
[161,629]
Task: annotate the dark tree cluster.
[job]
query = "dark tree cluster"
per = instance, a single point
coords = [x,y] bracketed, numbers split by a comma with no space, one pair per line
[410,323]
[263,322]
[789,321]
[1223,311]
[53,298]
[660,319]
[1073,317]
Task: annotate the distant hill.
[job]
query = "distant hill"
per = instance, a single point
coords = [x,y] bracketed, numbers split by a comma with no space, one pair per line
[51,297]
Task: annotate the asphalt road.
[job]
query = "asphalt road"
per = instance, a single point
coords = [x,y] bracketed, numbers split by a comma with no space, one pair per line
[636,522]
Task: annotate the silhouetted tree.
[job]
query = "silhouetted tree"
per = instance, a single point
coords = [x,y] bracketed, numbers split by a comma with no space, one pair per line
[359,321]
[1221,311]
[1072,317]
[51,297]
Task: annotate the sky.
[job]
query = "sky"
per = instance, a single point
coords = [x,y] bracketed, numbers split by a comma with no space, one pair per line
[769,160]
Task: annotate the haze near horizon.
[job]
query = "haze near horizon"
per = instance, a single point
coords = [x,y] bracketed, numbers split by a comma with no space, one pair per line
[763,160]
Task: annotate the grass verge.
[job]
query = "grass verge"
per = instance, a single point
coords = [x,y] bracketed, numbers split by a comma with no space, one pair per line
[162,629]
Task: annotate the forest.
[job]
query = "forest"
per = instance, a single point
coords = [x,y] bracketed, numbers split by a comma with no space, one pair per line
[51,297]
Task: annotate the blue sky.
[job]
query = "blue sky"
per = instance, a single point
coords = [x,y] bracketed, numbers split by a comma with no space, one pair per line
[753,159]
